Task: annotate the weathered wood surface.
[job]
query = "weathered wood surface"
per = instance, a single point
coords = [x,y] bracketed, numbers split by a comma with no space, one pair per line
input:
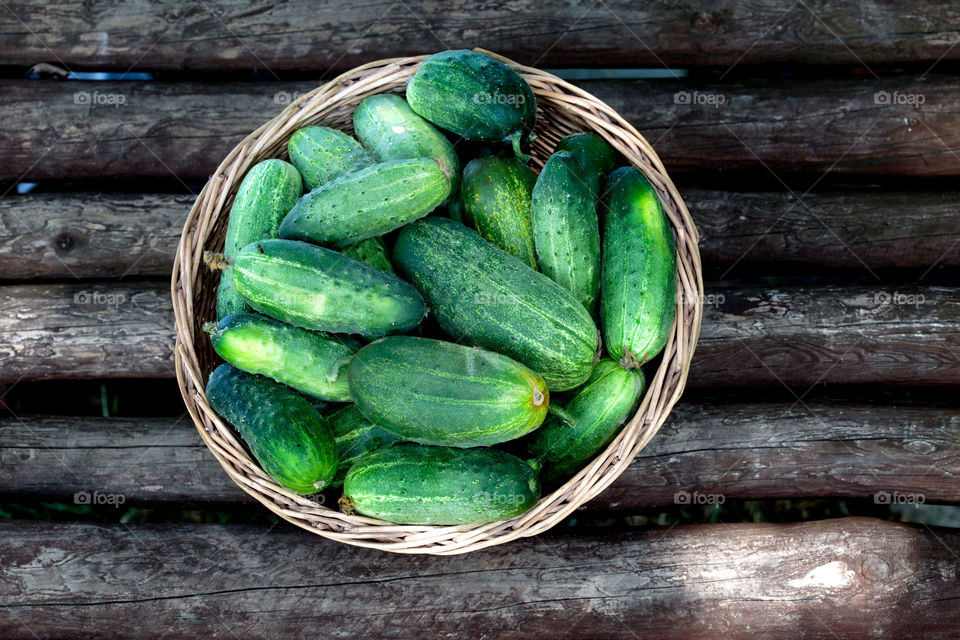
[796,336]
[703,454]
[181,131]
[81,235]
[219,35]
[848,578]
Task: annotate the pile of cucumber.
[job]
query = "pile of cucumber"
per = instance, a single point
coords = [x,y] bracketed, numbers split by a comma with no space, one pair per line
[395,323]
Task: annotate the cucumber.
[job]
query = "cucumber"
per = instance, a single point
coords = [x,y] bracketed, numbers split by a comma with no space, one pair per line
[355,436]
[311,363]
[322,155]
[593,153]
[387,126]
[286,435]
[475,97]
[485,296]
[436,392]
[367,203]
[317,288]
[639,274]
[421,484]
[495,195]
[266,194]
[566,229]
[599,410]
[370,252]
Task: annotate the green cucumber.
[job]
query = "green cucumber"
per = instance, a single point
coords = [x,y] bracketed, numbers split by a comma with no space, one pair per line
[368,203]
[371,252]
[269,190]
[593,153]
[436,392]
[599,410]
[286,435]
[495,195]
[474,96]
[355,436]
[316,288]
[421,484]
[485,296]
[387,126]
[566,229]
[639,275]
[311,363]
[322,155]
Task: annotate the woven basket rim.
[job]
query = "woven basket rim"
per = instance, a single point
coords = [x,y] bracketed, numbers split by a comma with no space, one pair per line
[327,102]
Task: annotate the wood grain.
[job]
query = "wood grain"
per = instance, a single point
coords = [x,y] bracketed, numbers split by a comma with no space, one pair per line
[81,235]
[703,452]
[750,131]
[850,578]
[219,35]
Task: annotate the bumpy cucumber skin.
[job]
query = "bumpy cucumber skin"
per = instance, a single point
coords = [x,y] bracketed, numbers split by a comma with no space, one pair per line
[355,436]
[593,153]
[436,392]
[322,155]
[488,298]
[286,435]
[311,363]
[599,410]
[420,484]
[316,288]
[368,203]
[370,252]
[387,126]
[566,229]
[269,190]
[639,278]
[474,96]
[495,195]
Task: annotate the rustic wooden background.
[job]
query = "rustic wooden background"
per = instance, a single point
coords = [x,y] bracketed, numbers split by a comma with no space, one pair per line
[816,144]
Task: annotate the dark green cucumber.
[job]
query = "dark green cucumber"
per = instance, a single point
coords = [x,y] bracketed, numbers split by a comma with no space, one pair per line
[286,435]
[593,153]
[566,229]
[371,252]
[436,392]
[387,126]
[420,484]
[599,410]
[639,279]
[316,288]
[485,296]
[310,362]
[355,436]
[322,155]
[474,96]
[495,195]
[367,203]
[269,190]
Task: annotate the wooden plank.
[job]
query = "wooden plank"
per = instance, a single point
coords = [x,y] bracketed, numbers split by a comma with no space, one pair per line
[704,452]
[849,578]
[796,336]
[218,35]
[181,131]
[68,235]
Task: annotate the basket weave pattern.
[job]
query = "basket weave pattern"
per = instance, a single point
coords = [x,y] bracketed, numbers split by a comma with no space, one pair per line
[562,109]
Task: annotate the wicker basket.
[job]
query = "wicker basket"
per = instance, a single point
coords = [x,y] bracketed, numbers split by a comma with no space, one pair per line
[563,109]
